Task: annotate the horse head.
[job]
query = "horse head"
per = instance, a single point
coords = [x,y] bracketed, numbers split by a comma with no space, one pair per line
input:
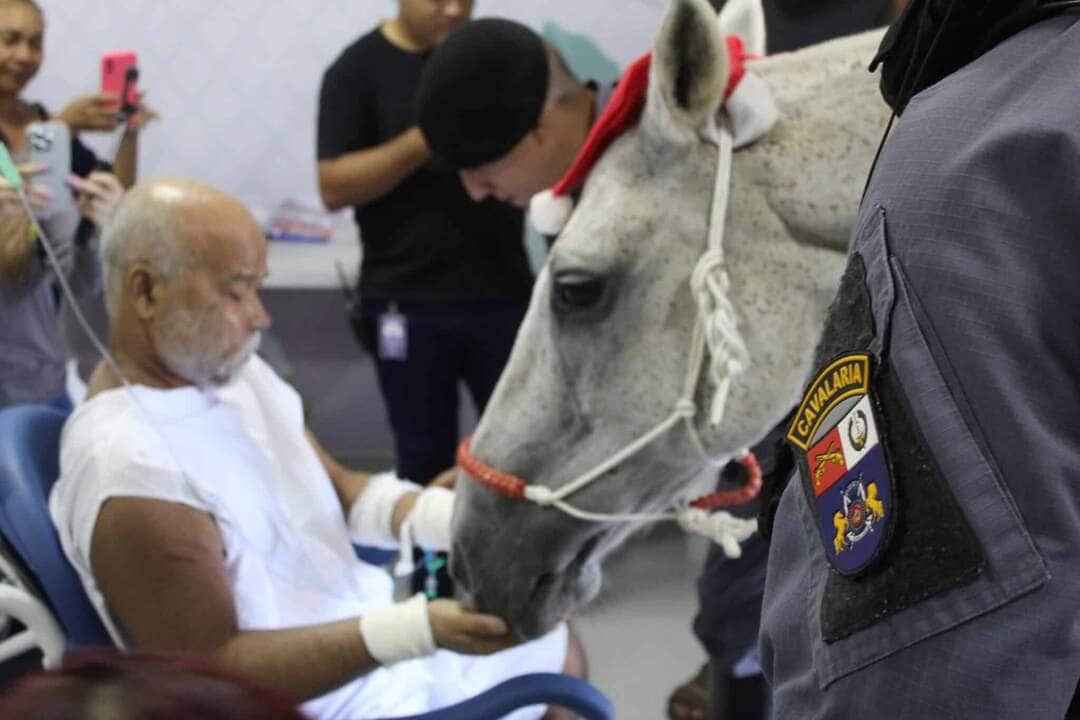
[602,356]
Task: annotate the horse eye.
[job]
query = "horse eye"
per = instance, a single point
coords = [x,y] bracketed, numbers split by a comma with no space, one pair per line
[576,291]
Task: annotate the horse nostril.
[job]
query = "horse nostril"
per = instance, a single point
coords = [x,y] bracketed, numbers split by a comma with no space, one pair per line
[584,553]
[542,583]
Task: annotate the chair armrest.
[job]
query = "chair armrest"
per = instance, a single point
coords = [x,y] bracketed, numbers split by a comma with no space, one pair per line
[42,631]
[532,689]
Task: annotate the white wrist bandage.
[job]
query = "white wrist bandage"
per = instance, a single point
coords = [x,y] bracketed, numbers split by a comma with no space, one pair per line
[429,520]
[426,526]
[399,632]
[372,512]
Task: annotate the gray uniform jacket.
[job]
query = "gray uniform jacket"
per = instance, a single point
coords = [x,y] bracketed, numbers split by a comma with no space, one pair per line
[31,351]
[964,287]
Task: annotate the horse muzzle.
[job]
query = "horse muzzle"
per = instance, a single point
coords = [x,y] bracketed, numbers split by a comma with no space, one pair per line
[531,593]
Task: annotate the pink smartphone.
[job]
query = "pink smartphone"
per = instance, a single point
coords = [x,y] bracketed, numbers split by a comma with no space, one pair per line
[119,76]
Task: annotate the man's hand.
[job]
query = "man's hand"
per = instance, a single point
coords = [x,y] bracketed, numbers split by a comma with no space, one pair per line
[447,478]
[98,196]
[97,112]
[471,633]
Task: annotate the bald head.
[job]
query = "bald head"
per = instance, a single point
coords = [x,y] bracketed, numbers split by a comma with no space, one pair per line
[170,225]
[183,267]
[177,194]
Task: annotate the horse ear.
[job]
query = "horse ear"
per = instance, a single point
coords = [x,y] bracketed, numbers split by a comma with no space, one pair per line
[689,71]
[745,18]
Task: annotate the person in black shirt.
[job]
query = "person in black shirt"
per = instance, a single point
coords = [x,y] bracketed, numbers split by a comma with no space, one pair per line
[444,281]
[794,24]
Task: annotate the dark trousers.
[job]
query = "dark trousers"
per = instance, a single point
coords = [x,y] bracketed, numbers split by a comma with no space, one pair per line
[730,594]
[447,343]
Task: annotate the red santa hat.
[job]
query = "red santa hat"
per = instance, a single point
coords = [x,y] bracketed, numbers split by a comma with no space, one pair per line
[747,100]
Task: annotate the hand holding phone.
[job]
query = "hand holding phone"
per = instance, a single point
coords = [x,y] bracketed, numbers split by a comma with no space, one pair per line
[12,177]
[98,196]
[50,150]
[97,112]
[120,78]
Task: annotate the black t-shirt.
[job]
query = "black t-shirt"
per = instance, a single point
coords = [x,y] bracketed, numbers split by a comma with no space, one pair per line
[425,240]
[793,24]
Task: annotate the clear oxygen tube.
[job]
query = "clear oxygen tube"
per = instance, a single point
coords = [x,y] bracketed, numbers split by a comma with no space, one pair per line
[85,229]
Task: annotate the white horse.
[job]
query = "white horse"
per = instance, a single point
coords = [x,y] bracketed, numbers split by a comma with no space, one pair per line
[602,355]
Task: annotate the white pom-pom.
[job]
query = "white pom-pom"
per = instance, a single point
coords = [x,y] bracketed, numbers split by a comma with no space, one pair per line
[549,213]
[752,109]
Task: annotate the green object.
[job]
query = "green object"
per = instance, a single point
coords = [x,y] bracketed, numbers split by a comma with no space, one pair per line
[8,169]
[585,58]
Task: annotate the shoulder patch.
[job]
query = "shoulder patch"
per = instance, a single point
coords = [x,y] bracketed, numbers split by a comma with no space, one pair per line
[841,454]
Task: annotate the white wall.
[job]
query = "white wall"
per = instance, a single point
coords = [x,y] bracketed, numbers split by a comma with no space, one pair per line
[236,81]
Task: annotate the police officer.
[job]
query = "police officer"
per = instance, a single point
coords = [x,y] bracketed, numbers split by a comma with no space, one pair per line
[730,591]
[929,568]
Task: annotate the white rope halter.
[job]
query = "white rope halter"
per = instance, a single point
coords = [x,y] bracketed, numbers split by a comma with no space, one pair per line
[716,332]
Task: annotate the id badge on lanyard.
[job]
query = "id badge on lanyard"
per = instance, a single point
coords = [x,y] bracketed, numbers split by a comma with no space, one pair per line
[393,335]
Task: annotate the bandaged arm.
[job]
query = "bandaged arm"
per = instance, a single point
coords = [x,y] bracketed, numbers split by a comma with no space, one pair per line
[391,512]
[384,511]
[161,568]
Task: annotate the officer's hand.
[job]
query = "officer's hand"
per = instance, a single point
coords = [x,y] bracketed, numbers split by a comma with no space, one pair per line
[463,631]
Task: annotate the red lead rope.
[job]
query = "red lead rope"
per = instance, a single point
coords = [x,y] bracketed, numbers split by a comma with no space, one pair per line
[741,496]
[500,482]
[513,486]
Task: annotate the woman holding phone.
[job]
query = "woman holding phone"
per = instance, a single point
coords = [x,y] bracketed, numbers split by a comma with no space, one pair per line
[31,354]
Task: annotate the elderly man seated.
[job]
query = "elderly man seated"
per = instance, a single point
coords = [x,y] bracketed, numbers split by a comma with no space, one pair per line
[201,515]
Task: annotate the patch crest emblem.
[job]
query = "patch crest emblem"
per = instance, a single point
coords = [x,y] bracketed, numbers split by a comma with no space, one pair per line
[842,461]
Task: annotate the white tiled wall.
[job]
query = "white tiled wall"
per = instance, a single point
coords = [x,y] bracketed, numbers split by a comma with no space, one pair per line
[236,81]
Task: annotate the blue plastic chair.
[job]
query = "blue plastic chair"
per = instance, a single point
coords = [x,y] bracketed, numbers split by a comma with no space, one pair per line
[65,619]
[29,465]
